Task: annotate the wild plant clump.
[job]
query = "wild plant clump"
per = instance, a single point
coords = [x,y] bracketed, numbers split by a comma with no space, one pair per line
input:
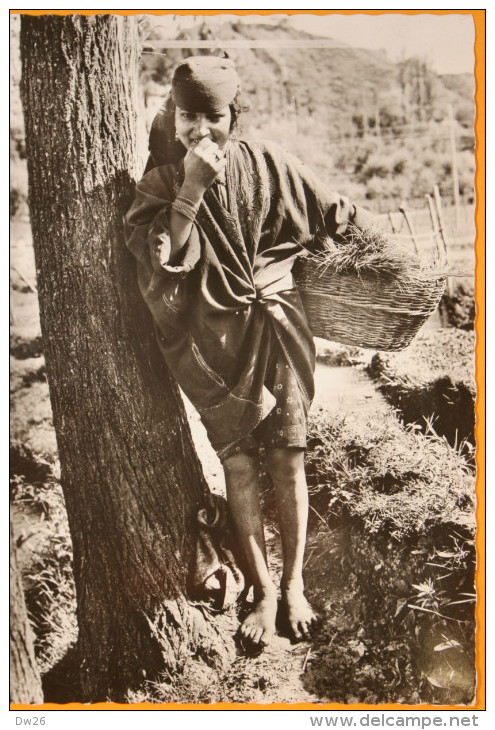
[459,305]
[397,480]
[45,551]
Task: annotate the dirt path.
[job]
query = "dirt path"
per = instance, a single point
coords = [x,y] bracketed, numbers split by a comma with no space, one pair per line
[343,389]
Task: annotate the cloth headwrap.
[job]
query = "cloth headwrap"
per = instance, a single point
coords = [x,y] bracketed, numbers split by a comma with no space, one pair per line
[204,84]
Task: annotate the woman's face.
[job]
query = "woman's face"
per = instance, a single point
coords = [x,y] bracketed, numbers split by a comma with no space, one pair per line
[192,127]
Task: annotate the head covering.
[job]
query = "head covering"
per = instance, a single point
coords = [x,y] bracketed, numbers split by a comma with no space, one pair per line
[204,84]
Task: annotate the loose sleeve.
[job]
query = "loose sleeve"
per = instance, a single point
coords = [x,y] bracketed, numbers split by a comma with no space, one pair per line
[163,282]
[311,211]
[147,227]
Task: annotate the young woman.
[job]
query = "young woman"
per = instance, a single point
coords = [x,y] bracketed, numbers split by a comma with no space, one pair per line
[216,226]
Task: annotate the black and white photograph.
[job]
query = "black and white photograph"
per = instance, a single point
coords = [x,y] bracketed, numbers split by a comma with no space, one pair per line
[245,357]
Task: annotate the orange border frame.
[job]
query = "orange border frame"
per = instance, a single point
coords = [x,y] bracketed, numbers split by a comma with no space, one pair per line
[480,352]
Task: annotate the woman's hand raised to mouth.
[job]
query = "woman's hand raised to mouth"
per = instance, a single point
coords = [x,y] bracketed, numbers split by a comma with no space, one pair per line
[203,163]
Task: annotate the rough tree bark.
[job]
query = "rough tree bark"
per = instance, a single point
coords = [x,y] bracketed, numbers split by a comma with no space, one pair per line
[25,682]
[130,476]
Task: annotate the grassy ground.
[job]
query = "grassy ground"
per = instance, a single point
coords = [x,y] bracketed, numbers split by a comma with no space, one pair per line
[390,556]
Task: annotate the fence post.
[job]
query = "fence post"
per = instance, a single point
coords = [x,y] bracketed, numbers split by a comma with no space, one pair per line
[438,205]
[455,173]
[410,226]
[392,224]
[441,250]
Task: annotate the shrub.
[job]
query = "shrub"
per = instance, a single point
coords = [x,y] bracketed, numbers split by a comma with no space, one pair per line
[397,481]
[459,304]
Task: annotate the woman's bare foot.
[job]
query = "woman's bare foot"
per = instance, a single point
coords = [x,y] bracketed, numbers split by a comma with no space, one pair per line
[259,626]
[298,613]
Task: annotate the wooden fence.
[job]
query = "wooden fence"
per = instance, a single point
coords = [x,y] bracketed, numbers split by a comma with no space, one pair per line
[436,231]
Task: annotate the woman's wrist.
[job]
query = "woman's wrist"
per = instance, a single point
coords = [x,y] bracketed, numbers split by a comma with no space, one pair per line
[186,207]
[188,200]
[191,191]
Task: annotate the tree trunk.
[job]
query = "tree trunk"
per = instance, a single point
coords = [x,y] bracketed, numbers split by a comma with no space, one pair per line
[130,475]
[25,682]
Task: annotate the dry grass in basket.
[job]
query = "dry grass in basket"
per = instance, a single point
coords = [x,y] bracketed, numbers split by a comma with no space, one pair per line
[372,251]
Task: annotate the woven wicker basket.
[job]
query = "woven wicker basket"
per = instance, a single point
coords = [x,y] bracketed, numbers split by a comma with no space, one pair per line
[366,309]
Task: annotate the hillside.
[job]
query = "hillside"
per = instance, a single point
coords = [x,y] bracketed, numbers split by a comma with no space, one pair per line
[374,128]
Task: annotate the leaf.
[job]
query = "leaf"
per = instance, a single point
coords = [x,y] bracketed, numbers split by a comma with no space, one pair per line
[450,644]
[467,600]
[451,675]
[437,682]
[399,606]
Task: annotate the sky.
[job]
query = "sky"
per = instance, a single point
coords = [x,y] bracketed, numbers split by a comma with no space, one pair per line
[446,41]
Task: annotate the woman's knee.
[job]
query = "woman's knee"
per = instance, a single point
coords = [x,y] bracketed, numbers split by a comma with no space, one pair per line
[285,465]
[241,469]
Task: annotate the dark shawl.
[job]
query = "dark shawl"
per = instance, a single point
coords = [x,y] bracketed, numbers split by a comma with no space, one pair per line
[215,306]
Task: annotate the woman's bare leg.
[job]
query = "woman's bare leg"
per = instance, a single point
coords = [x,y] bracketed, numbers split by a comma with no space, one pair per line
[242,481]
[286,468]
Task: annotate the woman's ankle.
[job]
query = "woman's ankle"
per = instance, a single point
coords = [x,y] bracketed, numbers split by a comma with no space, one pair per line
[266,592]
[292,585]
